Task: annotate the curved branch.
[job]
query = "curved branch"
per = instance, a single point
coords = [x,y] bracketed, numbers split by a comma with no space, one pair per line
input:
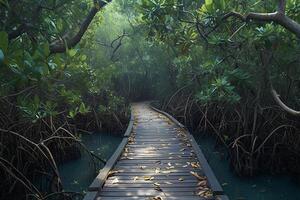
[278,17]
[60,45]
[283,105]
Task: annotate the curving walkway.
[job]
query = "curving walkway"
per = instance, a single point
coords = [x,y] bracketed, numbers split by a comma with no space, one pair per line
[158,160]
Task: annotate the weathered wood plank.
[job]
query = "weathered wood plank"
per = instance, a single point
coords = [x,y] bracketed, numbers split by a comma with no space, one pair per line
[146,193]
[214,184]
[100,179]
[90,196]
[130,125]
[139,198]
[155,146]
[163,185]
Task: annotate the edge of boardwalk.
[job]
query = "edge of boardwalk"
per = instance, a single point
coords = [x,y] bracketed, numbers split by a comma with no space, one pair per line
[99,181]
[212,180]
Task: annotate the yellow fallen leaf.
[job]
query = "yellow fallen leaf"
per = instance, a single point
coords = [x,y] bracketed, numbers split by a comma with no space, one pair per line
[180,179]
[156,184]
[197,176]
[111,173]
[195,164]
[148,178]
[202,183]
[116,180]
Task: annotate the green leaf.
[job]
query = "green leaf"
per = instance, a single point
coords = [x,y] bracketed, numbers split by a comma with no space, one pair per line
[46,49]
[220,4]
[83,58]
[4,41]
[72,52]
[208,2]
[83,109]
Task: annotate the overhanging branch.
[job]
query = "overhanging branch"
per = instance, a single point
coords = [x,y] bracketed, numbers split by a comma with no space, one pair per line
[278,17]
[283,105]
[60,45]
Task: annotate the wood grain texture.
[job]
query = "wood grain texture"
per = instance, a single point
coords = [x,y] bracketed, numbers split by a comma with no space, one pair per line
[157,158]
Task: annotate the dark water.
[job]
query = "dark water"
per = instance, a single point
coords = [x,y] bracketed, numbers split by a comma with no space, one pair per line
[78,174]
[265,187]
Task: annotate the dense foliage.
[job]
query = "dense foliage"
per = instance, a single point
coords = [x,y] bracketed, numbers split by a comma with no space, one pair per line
[230,59]
[215,64]
[48,98]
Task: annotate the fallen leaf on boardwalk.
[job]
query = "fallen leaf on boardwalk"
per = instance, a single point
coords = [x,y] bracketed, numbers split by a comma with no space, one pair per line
[169,164]
[157,162]
[156,198]
[171,167]
[111,173]
[156,184]
[148,178]
[158,188]
[135,178]
[205,193]
[197,176]
[182,149]
[142,167]
[116,180]
[130,140]
[126,150]
[202,183]
[168,183]
[185,166]
[195,164]
[201,193]
[157,170]
[180,179]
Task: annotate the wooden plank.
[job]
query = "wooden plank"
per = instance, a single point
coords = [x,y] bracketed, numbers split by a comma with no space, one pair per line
[151,185]
[90,196]
[153,160]
[157,144]
[179,173]
[213,182]
[185,177]
[100,179]
[146,193]
[139,198]
[141,180]
[130,125]
[143,190]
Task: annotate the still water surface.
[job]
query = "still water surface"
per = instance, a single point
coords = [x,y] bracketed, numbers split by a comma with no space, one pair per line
[264,187]
[78,174]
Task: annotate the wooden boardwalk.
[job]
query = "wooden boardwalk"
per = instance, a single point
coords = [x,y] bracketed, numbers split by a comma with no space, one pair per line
[157,159]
